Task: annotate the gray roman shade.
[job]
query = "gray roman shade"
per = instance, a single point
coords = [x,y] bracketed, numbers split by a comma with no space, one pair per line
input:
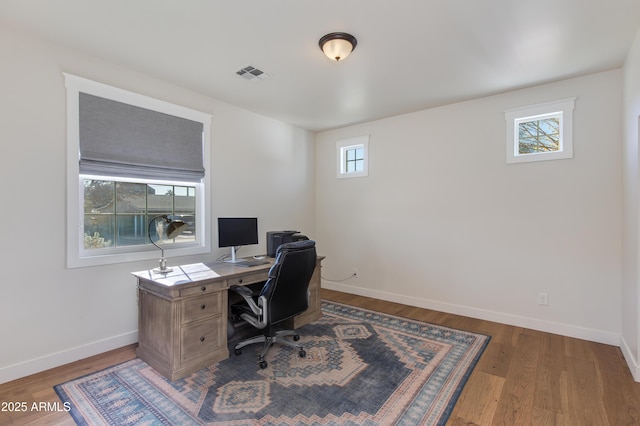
[117,139]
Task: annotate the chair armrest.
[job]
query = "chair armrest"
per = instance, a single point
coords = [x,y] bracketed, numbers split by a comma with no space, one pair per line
[248,297]
[241,290]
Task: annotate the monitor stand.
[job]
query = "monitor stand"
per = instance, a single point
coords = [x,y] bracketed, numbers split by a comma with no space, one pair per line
[234,259]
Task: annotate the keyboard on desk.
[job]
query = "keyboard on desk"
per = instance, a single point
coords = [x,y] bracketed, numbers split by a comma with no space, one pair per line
[251,262]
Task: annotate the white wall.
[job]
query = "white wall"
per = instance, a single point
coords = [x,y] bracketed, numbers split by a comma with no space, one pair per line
[630,294]
[436,224]
[443,222]
[51,315]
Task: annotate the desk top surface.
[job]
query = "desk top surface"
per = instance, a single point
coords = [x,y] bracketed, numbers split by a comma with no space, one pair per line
[183,274]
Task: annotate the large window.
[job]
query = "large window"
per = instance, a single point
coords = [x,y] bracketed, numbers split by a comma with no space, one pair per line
[118,214]
[540,132]
[131,159]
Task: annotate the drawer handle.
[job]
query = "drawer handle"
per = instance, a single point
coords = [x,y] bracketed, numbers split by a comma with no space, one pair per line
[203,288]
[202,339]
[202,306]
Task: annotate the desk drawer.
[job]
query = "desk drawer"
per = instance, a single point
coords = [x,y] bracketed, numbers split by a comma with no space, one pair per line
[249,278]
[197,308]
[204,288]
[201,338]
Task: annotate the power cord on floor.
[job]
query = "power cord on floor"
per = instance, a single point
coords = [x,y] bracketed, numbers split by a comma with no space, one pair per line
[343,279]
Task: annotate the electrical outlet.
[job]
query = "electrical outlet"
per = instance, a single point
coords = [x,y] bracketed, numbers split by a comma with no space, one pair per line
[543,299]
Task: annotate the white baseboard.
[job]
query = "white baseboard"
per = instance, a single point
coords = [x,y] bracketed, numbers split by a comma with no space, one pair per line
[57,359]
[631,361]
[592,335]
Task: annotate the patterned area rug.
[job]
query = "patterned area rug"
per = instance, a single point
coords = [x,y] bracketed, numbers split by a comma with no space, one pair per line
[362,368]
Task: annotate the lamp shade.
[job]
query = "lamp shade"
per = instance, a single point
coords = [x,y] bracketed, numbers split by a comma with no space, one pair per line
[337,46]
[175,228]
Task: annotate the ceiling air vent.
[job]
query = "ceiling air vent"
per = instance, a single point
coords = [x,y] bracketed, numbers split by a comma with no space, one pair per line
[252,73]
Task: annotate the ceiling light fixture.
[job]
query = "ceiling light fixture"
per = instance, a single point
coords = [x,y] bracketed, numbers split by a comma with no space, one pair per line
[338,46]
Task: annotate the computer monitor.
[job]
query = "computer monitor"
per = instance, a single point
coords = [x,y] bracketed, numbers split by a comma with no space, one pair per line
[237,231]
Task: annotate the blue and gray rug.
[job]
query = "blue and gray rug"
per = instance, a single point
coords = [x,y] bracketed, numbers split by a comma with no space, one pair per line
[362,368]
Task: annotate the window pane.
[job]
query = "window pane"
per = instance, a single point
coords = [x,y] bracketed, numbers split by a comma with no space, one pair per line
[185,210]
[539,135]
[131,197]
[160,200]
[351,167]
[359,165]
[99,196]
[117,214]
[185,199]
[99,206]
[98,231]
[359,154]
[351,154]
[131,230]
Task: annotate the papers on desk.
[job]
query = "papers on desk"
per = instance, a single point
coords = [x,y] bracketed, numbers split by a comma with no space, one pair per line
[180,274]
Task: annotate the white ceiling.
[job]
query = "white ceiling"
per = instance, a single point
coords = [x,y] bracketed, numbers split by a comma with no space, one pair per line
[411,54]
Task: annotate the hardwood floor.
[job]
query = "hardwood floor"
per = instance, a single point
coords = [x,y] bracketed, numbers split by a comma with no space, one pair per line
[527,377]
[38,388]
[524,377]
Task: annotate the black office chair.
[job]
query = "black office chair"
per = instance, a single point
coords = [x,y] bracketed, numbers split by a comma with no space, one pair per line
[284,295]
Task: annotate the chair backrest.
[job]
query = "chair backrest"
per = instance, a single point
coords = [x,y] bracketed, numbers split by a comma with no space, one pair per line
[286,289]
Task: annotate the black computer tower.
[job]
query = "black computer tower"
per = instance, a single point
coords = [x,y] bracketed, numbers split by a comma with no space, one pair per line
[276,238]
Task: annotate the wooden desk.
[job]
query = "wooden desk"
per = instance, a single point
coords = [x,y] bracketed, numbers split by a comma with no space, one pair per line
[183,315]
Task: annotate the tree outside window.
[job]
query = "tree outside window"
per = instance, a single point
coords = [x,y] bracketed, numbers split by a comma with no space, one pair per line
[540,132]
[539,135]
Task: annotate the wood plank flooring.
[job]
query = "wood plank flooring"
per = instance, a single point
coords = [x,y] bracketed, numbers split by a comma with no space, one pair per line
[527,377]
[524,377]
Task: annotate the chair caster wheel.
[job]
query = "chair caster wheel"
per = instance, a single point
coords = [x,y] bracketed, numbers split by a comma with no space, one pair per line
[302,353]
[262,364]
[237,351]
[296,337]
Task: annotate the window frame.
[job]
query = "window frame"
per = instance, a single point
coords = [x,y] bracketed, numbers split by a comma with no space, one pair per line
[344,145]
[77,255]
[562,108]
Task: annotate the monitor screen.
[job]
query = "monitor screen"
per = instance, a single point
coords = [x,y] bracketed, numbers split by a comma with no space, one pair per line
[237,231]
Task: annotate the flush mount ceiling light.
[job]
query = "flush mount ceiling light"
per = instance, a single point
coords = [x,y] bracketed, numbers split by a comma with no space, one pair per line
[337,46]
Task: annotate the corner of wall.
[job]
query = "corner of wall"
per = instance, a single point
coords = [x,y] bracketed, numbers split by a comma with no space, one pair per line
[632,363]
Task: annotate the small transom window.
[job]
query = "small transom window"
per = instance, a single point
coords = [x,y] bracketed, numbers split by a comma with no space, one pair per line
[353,157]
[540,132]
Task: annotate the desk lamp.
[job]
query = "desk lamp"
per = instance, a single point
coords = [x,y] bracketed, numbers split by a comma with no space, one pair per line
[174,228]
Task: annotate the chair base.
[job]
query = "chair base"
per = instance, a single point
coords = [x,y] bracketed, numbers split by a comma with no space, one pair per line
[268,341]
